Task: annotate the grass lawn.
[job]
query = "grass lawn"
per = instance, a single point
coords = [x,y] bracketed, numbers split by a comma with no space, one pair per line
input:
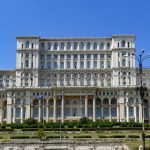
[132,142]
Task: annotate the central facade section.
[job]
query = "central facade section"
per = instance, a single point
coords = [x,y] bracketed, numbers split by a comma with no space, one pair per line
[76,77]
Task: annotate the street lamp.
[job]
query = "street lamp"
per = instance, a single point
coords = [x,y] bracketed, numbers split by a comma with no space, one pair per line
[141,58]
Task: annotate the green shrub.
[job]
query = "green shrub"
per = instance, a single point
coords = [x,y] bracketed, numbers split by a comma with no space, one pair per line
[16,125]
[30,123]
[40,133]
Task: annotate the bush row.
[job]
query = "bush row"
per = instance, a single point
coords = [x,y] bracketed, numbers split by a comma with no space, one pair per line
[78,136]
[84,123]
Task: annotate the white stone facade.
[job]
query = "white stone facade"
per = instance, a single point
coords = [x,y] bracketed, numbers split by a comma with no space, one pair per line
[92,77]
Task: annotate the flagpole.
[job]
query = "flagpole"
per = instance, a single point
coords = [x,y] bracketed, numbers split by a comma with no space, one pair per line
[43,110]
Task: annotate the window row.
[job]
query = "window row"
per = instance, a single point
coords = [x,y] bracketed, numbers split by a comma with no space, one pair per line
[75,56]
[76,65]
[75,82]
[75,75]
[75,46]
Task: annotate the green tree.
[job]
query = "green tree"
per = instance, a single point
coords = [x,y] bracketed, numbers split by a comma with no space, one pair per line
[41,134]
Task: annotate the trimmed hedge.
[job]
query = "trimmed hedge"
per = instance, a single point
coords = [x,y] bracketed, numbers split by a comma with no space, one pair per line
[147,136]
[82,136]
[112,136]
[117,136]
[19,137]
[133,136]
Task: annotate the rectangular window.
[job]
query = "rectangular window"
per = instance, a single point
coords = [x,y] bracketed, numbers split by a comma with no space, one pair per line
[88,64]
[131,111]
[108,56]
[67,112]
[106,112]
[113,111]
[48,65]
[102,64]
[102,56]
[75,56]
[88,56]
[98,112]
[68,64]
[49,57]
[95,64]
[95,56]
[61,56]
[62,65]
[18,112]
[27,63]
[108,64]
[68,56]
[75,64]
[82,64]
[55,65]
[82,56]
[55,56]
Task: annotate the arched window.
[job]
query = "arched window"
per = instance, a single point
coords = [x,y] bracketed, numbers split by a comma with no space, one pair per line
[88,46]
[102,46]
[81,75]
[75,46]
[27,44]
[108,45]
[32,45]
[61,75]
[55,46]
[62,46]
[105,101]
[131,101]
[42,45]
[68,46]
[81,45]
[98,101]
[123,43]
[95,46]
[18,101]
[68,75]
[49,46]
[114,101]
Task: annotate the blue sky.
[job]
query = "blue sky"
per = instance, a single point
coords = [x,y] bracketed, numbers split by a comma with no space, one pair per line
[71,18]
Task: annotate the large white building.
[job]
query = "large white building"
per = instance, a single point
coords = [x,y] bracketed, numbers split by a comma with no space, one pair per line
[92,77]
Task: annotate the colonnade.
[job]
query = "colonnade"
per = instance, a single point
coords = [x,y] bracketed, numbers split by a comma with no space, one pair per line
[93,107]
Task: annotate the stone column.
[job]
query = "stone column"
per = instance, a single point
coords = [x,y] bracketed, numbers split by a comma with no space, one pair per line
[62,109]
[109,109]
[28,105]
[86,106]
[94,109]
[54,110]
[149,114]
[140,113]
[47,110]
[9,113]
[135,113]
[127,112]
[1,113]
[21,113]
[39,110]
[14,113]
[118,115]
[102,116]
